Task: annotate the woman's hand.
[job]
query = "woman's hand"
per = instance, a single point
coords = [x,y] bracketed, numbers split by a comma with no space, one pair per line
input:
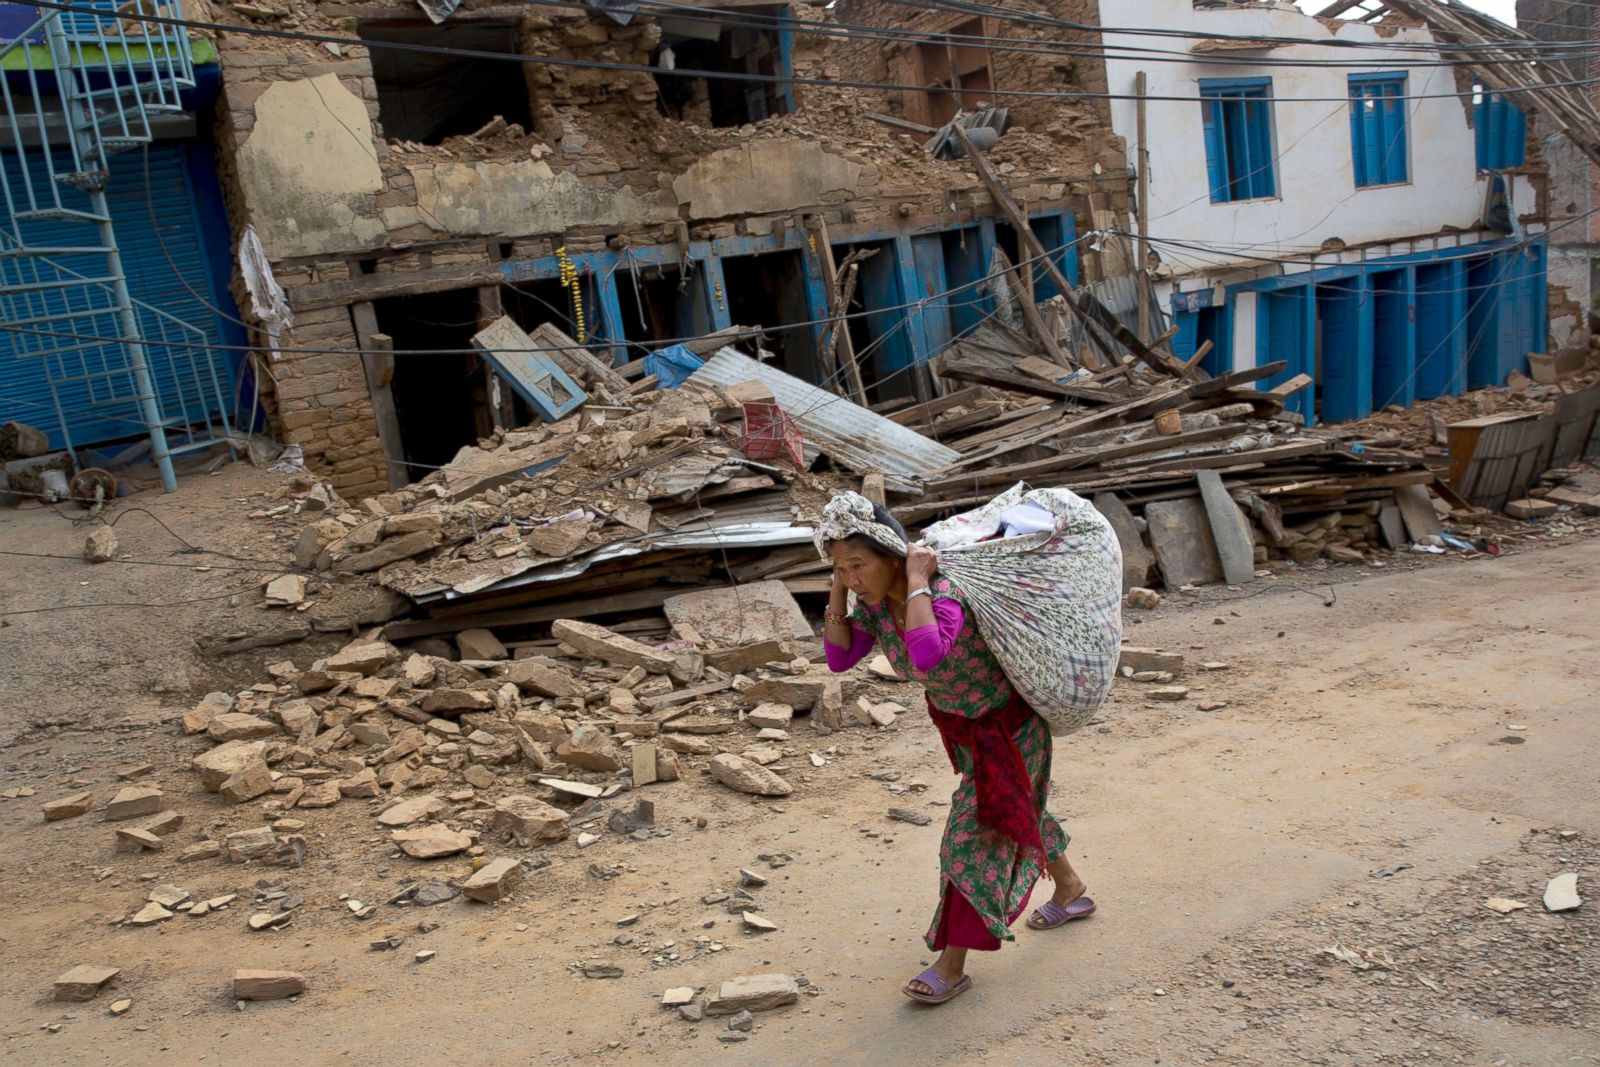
[921,566]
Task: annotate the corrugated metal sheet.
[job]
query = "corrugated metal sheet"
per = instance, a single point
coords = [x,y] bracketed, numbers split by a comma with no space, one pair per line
[154,220]
[730,535]
[852,436]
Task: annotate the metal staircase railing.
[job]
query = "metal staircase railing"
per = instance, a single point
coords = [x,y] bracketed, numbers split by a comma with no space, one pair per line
[91,79]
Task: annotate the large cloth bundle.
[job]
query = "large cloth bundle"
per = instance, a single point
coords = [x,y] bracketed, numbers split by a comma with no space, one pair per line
[1048,602]
[1047,597]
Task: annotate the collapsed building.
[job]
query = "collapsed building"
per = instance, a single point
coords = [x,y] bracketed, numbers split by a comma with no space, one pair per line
[406,199]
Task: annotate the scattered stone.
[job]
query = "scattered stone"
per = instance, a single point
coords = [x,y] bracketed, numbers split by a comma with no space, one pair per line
[666,766]
[286,590]
[574,789]
[750,879]
[1561,893]
[596,642]
[222,762]
[909,815]
[200,850]
[1212,705]
[1143,599]
[744,776]
[758,924]
[493,881]
[252,780]
[530,821]
[430,894]
[412,811]
[244,846]
[267,985]
[691,1013]
[134,801]
[425,955]
[642,761]
[531,676]
[386,944]
[431,842]
[168,896]
[361,785]
[1532,509]
[120,1007]
[480,644]
[85,981]
[770,715]
[1504,905]
[128,774]
[883,715]
[753,992]
[150,913]
[456,702]
[67,807]
[764,756]
[743,1022]
[137,839]
[641,816]
[595,969]
[590,748]
[1216,666]
[101,545]
[269,920]
[211,705]
[677,997]
[362,657]
[1167,692]
[1137,658]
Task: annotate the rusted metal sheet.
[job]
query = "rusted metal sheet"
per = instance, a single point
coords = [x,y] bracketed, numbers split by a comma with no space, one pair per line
[852,436]
[1577,433]
[1494,460]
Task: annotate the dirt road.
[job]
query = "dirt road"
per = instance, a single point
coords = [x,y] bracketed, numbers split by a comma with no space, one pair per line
[1228,851]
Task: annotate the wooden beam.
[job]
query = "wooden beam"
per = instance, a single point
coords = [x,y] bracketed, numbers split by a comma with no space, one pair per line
[1143,195]
[830,278]
[1019,222]
[400,283]
[377,360]
[1292,386]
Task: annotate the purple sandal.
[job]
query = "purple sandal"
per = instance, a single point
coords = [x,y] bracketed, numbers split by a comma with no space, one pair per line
[1050,915]
[942,990]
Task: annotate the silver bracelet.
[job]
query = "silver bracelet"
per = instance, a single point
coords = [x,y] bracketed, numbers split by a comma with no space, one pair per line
[924,591]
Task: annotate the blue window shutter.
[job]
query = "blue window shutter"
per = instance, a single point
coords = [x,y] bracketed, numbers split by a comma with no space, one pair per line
[1501,131]
[1259,125]
[1211,120]
[1378,129]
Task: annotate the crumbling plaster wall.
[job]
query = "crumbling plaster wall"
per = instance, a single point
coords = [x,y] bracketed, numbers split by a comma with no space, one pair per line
[305,161]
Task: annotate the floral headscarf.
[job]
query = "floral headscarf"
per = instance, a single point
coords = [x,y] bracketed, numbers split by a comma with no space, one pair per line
[847,515]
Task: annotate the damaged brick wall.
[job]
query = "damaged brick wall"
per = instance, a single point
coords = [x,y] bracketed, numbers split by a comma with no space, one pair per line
[345,211]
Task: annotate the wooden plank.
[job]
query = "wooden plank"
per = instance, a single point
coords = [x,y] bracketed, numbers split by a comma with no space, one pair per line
[369,287]
[1292,386]
[1199,353]
[377,361]
[1083,458]
[924,413]
[638,600]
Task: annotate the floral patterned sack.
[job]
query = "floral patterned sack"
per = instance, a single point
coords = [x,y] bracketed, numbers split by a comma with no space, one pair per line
[1049,603]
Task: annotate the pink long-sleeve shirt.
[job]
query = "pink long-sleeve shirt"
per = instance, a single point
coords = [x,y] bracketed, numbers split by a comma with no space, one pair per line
[926,645]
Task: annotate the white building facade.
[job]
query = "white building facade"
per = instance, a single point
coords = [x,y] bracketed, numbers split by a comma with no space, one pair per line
[1325,205]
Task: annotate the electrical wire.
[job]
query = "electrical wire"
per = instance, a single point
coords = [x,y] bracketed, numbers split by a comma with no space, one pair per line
[638,68]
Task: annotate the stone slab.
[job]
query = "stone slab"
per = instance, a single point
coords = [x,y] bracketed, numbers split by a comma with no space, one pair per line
[1417,510]
[738,615]
[1229,529]
[1136,557]
[1180,534]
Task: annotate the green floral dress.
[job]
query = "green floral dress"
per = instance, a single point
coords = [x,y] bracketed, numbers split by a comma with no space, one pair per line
[984,866]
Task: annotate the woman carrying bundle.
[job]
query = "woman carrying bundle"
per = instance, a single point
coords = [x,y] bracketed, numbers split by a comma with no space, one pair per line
[999,838]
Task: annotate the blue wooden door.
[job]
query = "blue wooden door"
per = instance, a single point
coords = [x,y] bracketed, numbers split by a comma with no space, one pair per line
[1394,341]
[1441,329]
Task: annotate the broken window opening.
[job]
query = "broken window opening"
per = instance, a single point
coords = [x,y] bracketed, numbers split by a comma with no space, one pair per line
[532,304]
[949,64]
[428,97]
[762,49]
[440,399]
[654,303]
[769,290]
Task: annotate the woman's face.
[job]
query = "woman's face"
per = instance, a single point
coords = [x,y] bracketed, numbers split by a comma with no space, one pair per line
[864,572]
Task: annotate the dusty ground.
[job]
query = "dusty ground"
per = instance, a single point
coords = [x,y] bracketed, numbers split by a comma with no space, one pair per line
[1228,850]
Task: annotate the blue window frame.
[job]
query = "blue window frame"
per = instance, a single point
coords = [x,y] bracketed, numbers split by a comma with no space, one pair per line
[1237,117]
[1378,128]
[1501,129]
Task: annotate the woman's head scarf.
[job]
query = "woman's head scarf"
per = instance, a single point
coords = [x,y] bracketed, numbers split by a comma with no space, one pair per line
[849,514]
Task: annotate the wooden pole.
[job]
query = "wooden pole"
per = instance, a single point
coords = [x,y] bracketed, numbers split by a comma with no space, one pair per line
[836,313]
[1139,89]
[1118,332]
